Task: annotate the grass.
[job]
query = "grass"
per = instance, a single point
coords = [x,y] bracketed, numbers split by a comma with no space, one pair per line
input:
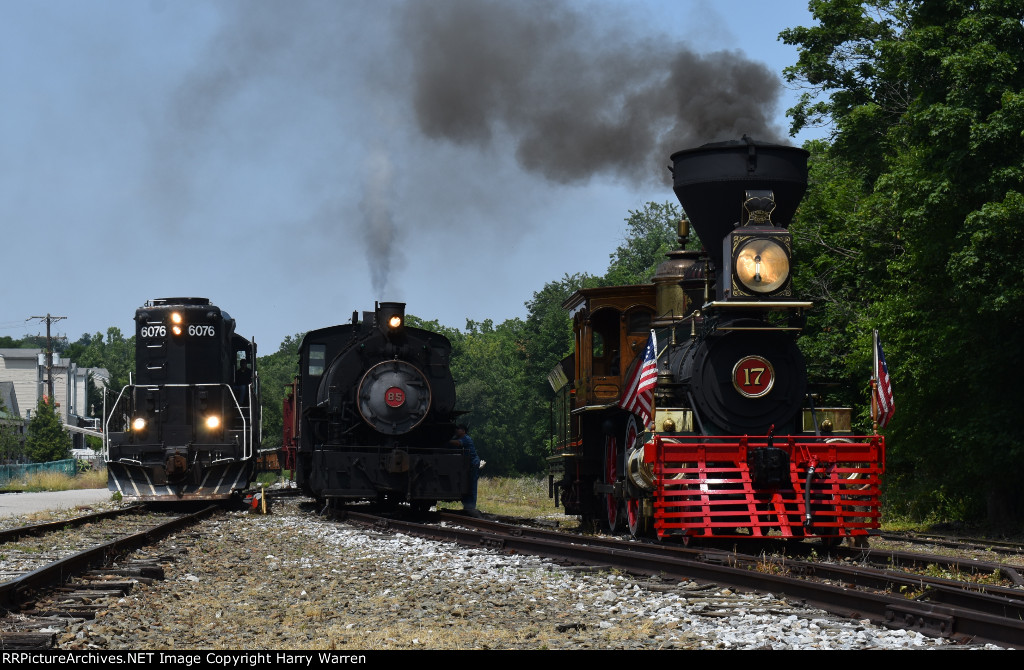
[271,477]
[53,481]
[525,496]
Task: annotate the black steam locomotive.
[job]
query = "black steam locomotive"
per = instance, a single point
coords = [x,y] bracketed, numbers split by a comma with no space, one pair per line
[188,426]
[685,408]
[373,411]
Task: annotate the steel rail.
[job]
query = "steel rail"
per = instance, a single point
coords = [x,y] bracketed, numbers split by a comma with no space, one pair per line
[1003,600]
[888,558]
[17,590]
[11,534]
[966,543]
[929,618]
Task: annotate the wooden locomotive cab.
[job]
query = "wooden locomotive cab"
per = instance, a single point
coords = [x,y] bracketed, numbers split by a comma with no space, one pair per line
[611,326]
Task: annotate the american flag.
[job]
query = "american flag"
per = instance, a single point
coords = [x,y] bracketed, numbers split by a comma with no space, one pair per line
[883,387]
[638,396]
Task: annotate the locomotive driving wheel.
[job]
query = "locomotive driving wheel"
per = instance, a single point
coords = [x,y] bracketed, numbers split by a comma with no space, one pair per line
[612,465]
[636,519]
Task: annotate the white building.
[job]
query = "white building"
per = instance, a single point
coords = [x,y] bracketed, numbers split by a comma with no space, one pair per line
[26,370]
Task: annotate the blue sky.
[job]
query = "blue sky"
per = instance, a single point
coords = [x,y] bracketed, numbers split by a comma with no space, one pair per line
[294,161]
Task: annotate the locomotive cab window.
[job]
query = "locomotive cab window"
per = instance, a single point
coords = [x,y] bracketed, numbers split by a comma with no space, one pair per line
[639,322]
[605,343]
[317,355]
[243,368]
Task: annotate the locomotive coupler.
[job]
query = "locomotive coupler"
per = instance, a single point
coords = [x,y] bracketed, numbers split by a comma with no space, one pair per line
[769,467]
[176,464]
[397,461]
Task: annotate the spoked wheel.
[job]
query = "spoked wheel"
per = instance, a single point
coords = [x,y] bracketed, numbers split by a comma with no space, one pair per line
[612,463]
[635,517]
[636,520]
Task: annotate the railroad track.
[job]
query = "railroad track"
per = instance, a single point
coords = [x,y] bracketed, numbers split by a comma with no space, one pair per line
[11,534]
[1001,547]
[39,564]
[961,611]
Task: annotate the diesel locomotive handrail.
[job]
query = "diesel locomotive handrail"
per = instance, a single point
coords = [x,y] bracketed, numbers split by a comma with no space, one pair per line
[182,431]
[247,447]
[106,424]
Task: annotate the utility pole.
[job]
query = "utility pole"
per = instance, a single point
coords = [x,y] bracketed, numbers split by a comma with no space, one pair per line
[49,354]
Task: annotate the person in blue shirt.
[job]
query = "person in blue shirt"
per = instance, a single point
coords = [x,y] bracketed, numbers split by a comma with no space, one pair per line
[462,439]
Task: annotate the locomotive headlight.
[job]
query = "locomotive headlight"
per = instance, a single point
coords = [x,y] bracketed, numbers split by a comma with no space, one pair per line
[395,321]
[176,317]
[213,422]
[138,423]
[762,265]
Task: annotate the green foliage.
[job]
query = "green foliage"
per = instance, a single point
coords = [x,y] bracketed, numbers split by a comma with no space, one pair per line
[46,440]
[926,100]
[548,330]
[833,240]
[113,352]
[501,370]
[488,364]
[276,371]
[650,234]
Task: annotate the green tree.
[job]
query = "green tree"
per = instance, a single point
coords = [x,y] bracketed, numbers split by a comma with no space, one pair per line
[46,440]
[832,238]
[488,365]
[926,101]
[517,356]
[650,234]
[276,371]
[113,352]
[547,340]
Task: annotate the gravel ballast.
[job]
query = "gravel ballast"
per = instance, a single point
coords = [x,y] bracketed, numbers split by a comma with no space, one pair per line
[292,580]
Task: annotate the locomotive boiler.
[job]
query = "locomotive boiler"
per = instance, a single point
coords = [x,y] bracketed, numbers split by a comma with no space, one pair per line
[187,427]
[685,408]
[373,411]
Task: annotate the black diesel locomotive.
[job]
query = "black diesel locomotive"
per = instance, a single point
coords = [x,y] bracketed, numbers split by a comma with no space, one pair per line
[716,431]
[373,411]
[188,426]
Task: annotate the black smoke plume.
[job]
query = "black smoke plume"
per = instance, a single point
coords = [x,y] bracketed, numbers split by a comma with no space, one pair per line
[574,95]
[573,91]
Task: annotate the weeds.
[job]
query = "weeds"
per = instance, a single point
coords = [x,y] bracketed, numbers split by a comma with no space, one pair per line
[271,477]
[55,481]
[941,572]
[525,496]
[770,566]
